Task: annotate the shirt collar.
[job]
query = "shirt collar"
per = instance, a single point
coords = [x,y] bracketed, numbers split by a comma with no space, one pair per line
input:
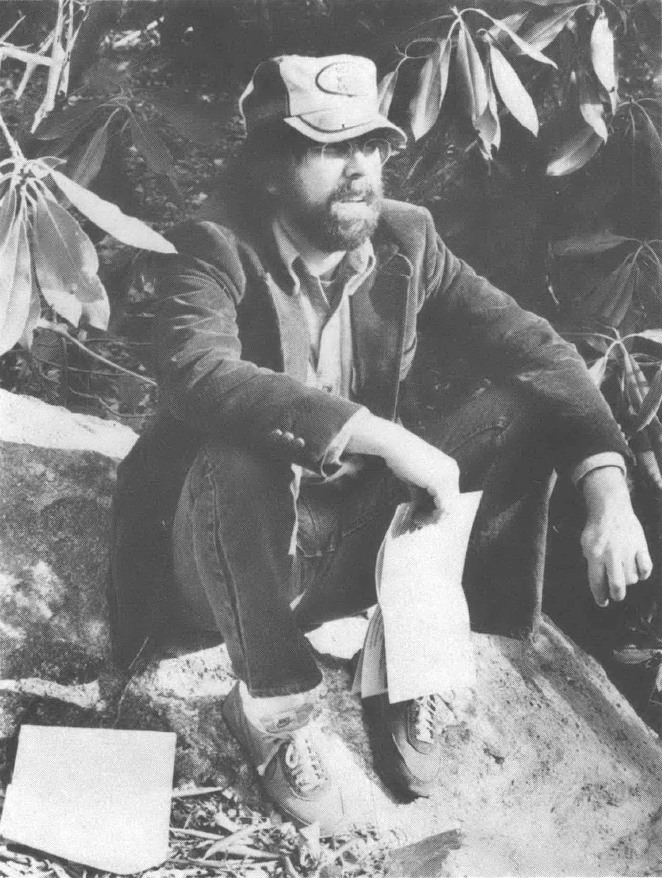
[356,263]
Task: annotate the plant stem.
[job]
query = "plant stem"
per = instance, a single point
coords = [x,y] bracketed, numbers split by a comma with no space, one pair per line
[11,143]
[55,327]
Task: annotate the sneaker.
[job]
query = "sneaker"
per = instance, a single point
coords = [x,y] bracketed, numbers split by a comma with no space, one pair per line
[407,742]
[289,757]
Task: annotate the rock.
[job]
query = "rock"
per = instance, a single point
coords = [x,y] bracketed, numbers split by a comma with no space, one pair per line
[25,420]
[553,774]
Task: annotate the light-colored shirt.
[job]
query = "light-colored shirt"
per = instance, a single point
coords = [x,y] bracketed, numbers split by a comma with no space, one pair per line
[325,305]
[331,357]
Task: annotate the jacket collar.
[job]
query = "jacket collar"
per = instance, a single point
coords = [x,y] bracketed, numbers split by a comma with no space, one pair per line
[354,266]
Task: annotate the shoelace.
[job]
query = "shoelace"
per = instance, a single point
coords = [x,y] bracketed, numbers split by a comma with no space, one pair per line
[426,717]
[303,761]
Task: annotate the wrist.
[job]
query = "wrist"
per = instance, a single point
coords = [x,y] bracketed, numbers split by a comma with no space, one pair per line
[603,487]
[376,436]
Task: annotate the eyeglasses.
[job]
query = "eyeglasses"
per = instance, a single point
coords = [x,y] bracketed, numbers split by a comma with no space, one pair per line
[345,149]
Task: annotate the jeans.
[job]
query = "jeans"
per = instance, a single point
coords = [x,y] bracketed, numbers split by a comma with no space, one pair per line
[232,535]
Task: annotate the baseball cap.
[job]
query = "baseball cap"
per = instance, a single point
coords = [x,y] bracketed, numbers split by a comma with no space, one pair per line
[327,99]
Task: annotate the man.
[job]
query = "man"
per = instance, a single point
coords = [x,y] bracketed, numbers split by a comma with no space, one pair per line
[284,330]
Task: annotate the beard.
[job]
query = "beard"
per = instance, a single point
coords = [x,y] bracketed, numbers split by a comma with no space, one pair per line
[347,219]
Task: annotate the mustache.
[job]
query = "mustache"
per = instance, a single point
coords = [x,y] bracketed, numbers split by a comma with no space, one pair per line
[366,191]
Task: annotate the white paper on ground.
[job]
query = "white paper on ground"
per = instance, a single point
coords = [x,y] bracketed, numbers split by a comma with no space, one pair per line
[419,639]
[100,797]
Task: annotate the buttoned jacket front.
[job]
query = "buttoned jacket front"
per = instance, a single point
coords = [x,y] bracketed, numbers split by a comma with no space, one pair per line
[231,352]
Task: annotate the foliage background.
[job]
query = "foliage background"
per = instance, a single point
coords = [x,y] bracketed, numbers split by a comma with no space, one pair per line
[565,215]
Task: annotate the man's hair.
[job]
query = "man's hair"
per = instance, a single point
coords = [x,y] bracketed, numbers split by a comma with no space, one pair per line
[261,159]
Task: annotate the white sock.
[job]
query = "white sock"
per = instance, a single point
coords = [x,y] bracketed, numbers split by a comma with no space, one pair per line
[261,711]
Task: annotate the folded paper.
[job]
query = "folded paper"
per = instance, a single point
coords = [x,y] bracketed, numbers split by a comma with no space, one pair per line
[419,639]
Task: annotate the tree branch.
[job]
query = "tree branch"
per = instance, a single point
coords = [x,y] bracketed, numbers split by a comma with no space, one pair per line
[55,327]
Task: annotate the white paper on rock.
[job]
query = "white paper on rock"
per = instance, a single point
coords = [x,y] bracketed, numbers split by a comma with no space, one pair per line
[100,797]
[419,639]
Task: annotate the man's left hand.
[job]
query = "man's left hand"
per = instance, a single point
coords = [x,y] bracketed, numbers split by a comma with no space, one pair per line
[613,540]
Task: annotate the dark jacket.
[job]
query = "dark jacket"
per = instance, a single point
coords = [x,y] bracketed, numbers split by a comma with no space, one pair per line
[231,351]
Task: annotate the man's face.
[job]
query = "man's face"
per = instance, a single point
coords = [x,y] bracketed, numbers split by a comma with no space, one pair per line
[332,193]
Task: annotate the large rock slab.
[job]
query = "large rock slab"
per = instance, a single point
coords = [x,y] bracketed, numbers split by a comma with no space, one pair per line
[554,774]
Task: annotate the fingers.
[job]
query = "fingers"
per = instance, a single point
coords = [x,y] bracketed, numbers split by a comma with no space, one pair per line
[598,582]
[617,580]
[644,564]
[617,556]
[609,576]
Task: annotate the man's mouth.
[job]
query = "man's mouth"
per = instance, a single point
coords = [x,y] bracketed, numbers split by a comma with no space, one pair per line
[355,198]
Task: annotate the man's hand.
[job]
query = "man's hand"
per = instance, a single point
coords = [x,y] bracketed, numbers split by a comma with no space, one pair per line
[411,459]
[613,540]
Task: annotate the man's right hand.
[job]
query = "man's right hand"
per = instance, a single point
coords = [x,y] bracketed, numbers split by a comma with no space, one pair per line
[410,458]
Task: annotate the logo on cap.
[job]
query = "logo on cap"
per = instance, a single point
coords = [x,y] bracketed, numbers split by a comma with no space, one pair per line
[346,78]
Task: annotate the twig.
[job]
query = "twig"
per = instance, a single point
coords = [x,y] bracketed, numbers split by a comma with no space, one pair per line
[197,833]
[14,148]
[214,864]
[242,850]
[197,791]
[288,868]
[26,57]
[55,327]
[58,60]
[31,66]
[64,78]
[262,856]
[223,844]
[11,30]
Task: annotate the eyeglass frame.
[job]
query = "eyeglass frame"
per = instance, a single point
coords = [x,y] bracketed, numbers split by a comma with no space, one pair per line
[345,149]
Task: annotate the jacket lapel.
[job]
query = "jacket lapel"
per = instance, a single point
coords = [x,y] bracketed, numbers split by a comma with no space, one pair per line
[379,320]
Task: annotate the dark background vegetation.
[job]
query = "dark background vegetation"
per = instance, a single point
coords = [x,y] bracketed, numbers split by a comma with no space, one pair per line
[165,76]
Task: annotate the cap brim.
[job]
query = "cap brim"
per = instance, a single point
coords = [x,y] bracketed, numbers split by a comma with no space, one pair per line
[307,126]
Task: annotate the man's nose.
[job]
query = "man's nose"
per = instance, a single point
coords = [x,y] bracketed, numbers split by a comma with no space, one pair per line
[358,165]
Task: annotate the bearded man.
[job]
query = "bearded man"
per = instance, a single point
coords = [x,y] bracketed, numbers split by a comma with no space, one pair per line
[285,328]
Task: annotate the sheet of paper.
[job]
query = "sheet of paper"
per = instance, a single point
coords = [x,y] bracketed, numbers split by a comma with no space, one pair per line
[428,646]
[370,674]
[100,797]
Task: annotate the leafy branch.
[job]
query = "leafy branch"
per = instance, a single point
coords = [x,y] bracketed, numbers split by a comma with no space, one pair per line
[486,75]
[45,254]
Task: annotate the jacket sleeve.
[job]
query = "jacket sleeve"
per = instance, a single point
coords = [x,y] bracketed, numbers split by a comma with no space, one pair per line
[201,375]
[510,343]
